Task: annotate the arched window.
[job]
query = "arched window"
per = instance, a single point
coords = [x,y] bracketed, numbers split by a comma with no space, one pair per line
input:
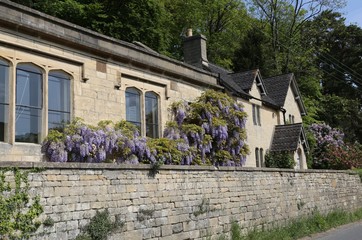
[58,99]
[4,100]
[300,159]
[29,103]
[257,160]
[261,158]
[133,106]
[151,110]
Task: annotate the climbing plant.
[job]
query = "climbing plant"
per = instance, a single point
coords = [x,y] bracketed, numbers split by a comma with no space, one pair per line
[211,130]
[18,210]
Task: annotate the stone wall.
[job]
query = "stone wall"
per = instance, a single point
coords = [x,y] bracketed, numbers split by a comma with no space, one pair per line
[183,202]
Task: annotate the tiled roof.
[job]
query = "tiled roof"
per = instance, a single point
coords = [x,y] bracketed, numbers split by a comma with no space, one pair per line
[226,79]
[245,79]
[277,87]
[286,137]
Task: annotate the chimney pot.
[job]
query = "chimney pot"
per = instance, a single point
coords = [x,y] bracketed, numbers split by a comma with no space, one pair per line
[189,32]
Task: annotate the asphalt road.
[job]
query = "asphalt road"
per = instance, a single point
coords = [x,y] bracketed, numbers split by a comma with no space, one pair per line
[351,231]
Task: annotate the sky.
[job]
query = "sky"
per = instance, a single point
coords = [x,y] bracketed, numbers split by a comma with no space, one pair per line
[353,12]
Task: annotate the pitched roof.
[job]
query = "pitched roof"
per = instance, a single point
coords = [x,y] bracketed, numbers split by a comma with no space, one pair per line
[226,79]
[277,87]
[286,137]
[245,79]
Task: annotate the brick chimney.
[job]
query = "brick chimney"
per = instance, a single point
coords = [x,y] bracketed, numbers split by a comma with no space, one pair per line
[194,48]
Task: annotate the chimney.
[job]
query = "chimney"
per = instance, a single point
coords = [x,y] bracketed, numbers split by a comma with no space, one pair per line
[195,50]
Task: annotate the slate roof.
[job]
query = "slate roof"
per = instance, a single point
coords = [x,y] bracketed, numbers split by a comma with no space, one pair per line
[286,137]
[277,87]
[245,79]
[226,79]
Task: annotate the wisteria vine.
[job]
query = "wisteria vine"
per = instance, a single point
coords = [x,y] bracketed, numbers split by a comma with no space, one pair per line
[213,127]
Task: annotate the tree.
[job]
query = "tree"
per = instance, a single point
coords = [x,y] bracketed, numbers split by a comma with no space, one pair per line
[223,22]
[284,19]
[128,20]
[338,55]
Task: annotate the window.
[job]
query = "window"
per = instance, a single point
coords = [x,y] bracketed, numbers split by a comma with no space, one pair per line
[257,160]
[299,159]
[256,115]
[151,109]
[144,116]
[58,99]
[4,100]
[29,103]
[262,163]
[133,107]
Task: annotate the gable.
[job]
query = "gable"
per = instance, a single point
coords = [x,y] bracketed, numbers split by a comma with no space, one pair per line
[287,137]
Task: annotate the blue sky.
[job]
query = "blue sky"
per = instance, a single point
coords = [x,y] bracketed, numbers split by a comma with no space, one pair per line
[353,12]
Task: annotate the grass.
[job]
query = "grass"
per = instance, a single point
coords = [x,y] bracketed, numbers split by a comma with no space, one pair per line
[359,171]
[299,228]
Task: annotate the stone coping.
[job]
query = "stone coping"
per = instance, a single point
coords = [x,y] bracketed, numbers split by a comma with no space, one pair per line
[141,167]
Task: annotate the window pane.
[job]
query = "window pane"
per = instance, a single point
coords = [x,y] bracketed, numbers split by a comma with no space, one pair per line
[4,122]
[28,124]
[58,99]
[133,107]
[28,89]
[4,99]
[151,108]
[254,115]
[28,103]
[262,162]
[257,157]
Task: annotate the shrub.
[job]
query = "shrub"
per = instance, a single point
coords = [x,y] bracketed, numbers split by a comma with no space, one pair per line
[99,227]
[331,152]
[279,160]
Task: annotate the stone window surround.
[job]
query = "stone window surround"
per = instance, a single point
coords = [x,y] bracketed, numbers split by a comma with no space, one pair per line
[45,70]
[143,108]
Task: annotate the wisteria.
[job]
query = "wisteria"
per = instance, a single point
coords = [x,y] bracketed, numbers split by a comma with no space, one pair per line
[82,143]
[210,130]
[214,125]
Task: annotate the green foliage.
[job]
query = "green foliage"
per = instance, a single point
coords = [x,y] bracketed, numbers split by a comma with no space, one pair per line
[99,227]
[18,211]
[301,227]
[235,231]
[213,128]
[48,222]
[359,171]
[279,160]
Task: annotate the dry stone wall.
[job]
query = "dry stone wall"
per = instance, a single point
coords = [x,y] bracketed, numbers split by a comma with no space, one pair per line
[183,202]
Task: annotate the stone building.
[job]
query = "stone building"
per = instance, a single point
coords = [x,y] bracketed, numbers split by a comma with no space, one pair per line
[274,106]
[52,71]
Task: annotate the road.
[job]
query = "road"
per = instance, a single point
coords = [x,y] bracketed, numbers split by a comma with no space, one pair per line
[351,231]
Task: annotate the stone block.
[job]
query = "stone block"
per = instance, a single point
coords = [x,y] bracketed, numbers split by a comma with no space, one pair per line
[166,230]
